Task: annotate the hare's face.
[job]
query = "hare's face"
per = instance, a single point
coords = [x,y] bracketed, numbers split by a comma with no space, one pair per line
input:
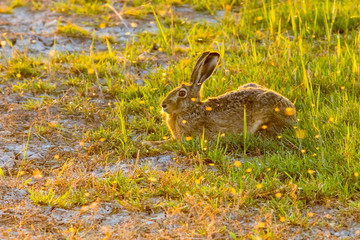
[177,100]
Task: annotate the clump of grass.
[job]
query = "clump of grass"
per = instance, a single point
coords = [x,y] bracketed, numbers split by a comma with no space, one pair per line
[73,30]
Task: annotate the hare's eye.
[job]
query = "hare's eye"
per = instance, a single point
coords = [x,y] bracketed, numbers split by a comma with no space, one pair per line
[182,93]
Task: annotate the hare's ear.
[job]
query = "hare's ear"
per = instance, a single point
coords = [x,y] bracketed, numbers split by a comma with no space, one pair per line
[204,67]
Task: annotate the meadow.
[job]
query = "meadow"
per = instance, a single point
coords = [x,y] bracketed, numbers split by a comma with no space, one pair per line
[81,84]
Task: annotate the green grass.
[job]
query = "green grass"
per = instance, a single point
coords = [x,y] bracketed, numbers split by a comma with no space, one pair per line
[306,51]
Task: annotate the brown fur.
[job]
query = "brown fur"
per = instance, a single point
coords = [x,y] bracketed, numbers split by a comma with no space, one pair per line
[266,111]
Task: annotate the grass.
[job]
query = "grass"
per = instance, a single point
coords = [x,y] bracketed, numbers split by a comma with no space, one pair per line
[306,51]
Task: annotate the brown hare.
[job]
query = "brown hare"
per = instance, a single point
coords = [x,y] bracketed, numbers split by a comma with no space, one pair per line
[266,111]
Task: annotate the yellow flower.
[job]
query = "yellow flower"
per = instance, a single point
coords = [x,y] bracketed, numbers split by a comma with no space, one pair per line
[82,143]
[259,18]
[303,150]
[152,179]
[310,214]
[91,71]
[232,190]
[331,119]
[282,219]
[248,170]
[259,186]
[184,121]
[277,109]
[310,171]
[102,25]
[102,139]
[37,174]
[356,174]
[56,156]
[317,136]
[134,25]
[278,195]
[18,75]
[208,108]
[237,163]
[193,99]
[264,127]
[261,225]
[188,138]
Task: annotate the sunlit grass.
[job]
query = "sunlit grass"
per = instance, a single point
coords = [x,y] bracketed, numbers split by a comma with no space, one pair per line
[307,51]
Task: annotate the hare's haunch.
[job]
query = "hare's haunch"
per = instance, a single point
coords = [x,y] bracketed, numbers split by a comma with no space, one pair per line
[265,110]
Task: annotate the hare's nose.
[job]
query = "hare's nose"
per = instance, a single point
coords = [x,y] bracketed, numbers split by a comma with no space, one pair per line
[163,105]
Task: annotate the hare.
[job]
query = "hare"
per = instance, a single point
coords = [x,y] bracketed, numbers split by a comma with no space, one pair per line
[266,111]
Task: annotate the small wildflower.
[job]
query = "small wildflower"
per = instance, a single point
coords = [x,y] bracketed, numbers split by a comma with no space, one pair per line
[317,148]
[342,88]
[165,137]
[268,169]
[184,121]
[56,156]
[91,71]
[82,143]
[259,18]
[102,25]
[18,75]
[188,138]
[211,164]
[259,186]
[223,135]
[161,49]
[303,150]
[310,214]
[141,102]
[102,139]
[208,108]
[248,170]
[152,179]
[52,124]
[86,194]
[282,219]
[331,119]
[37,174]
[264,127]
[295,127]
[237,163]
[127,33]
[193,99]
[279,137]
[151,107]
[310,171]
[232,190]
[164,74]
[261,225]
[356,174]
[133,25]
[317,136]
[277,109]
[3,43]
[314,155]
[278,195]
